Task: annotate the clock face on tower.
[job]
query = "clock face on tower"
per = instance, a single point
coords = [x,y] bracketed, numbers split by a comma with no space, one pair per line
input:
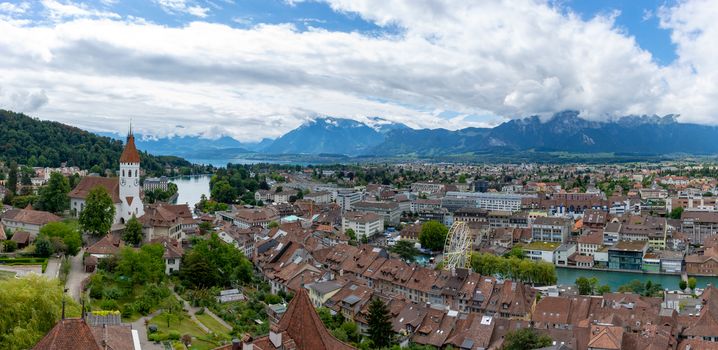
[123,182]
[137,182]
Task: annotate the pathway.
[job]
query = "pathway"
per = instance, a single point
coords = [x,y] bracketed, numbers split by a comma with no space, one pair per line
[76,276]
[219,319]
[53,267]
[192,311]
[139,325]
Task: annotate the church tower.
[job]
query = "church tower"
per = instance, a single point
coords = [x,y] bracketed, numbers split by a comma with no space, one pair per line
[130,181]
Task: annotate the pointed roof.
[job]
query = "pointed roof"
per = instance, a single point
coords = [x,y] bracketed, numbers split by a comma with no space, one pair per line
[304,326]
[130,154]
[69,334]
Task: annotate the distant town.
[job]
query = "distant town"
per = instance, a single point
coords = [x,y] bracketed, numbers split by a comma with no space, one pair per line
[405,255]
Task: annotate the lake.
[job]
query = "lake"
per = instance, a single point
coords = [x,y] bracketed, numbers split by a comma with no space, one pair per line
[615,279]
[221,163]
[191,188]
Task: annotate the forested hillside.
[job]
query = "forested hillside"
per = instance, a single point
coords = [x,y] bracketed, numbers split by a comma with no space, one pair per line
[35,142]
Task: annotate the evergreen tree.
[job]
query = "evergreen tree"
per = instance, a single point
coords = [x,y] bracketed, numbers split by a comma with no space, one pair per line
[12,178]
[380,329]
[43,247]
[133,231]
[99,212]
[53,197]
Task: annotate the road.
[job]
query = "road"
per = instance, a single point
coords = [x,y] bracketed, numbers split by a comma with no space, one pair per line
[139,325]
[76,276]
[53,267]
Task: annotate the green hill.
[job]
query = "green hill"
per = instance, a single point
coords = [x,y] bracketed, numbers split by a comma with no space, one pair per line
[35,142]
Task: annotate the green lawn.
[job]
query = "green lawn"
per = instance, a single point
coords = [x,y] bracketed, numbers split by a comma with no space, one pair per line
[187,326]
[7,275]
[212,324]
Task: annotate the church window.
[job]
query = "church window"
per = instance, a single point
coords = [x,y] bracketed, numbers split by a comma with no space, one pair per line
[123,172]
[135,173]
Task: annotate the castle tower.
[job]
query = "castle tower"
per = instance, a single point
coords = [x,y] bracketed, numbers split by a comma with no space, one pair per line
[130,181]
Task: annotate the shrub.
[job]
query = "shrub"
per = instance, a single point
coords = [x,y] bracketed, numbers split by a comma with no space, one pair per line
[108,305]
[10,246]
[200,312]
[112,293]
[127,310]
[96,291]
[174,335]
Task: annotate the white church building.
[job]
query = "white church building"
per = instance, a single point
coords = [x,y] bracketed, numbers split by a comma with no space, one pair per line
[124,190]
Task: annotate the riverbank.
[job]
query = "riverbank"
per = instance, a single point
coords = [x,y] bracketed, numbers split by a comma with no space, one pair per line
[615,279]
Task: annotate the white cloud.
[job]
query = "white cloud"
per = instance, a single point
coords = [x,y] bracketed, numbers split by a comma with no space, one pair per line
[14,8]
[183,6]
[493,59]
[60,10]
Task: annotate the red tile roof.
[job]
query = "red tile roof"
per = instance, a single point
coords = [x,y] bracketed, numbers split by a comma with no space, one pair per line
[30,216]
[87,183]
[130,154]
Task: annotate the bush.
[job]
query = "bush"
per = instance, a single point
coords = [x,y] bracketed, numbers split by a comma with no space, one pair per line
[109,305]
[10,246]
[174,335]
[127,310]
[112,293]
[200,312]
[96,291]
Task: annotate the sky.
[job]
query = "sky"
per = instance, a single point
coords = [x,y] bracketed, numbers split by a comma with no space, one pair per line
[251,69]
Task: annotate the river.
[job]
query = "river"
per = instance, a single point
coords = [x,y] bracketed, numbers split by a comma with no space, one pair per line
[191,188]
[615,279]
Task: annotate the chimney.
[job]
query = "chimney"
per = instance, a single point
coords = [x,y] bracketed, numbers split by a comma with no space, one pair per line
[235,344]
[275,336]
[246,342]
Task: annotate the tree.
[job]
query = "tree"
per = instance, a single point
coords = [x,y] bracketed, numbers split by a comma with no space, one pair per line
[380,328]
[142,266]
[212,262]
[10,246]
[223,192]
[516,252]
[603,289]
[53,196]
[43,247]
[692,283]
[351,234]
[31,306]
[11,183]
[99,212]
[433,235]
[406,250]
[273,224]
[586,286]
[525,339]
[66,233]
[682,284]
[133,231]
[676,213]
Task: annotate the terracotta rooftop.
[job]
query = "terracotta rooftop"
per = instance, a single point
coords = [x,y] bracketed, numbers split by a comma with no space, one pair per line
[30,216]
[130,154]
[87,183]
[75,333]
[108,245]
[301,327]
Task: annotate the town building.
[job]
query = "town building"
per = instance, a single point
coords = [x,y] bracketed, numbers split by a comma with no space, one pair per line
[363,224]
[551,229]
[488,200]
[28,220]
[627,255]
[155,183]
[389,211]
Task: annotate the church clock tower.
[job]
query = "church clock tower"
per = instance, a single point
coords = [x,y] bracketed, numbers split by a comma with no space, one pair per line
[130,181]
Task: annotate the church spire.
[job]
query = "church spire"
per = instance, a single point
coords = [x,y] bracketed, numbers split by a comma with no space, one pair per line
[130,154]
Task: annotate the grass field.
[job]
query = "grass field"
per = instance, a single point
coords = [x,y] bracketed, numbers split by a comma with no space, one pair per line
[187,326]
[213,325]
